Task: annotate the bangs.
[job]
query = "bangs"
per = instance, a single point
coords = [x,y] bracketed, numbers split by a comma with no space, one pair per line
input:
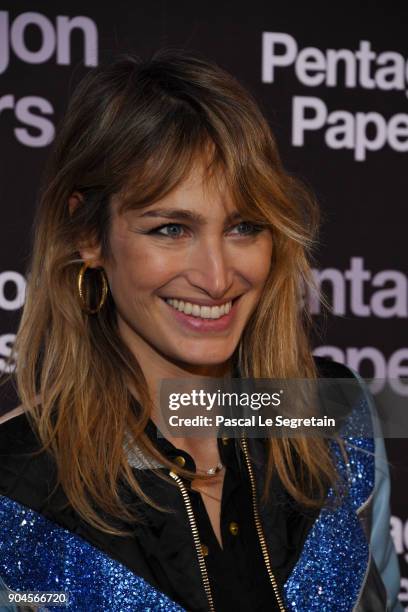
[167,131]
[169,163]
[228,163]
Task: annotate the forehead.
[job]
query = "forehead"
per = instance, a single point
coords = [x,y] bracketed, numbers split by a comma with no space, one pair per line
[201,189]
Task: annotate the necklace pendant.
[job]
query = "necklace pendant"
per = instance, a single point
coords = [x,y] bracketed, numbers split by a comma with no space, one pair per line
[215,470]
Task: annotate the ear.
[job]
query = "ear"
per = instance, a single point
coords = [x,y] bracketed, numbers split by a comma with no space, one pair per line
[89,250]
[74,200]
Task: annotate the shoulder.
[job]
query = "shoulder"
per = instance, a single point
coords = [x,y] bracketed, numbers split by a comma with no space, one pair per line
[25,473]
[345,396]
[16,433]
[11,414]
[327,368]
[342,393]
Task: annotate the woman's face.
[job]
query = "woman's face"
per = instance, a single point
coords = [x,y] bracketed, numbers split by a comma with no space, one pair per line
[186,273]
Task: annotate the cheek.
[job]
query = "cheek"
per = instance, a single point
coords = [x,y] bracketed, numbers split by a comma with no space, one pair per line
[257,262]
[137,268]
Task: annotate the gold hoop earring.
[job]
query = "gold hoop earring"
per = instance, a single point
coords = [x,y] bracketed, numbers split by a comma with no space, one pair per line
[80,284]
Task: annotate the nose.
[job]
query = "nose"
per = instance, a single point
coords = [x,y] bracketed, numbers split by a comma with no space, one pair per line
[210,267]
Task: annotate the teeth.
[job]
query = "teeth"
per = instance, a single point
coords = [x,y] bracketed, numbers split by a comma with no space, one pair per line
[204,312]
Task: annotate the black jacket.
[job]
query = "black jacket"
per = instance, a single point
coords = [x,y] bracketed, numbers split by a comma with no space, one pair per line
[163,550]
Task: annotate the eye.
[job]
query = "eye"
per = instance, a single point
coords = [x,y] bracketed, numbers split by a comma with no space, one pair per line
[246,228]
[170,230]
[178,230]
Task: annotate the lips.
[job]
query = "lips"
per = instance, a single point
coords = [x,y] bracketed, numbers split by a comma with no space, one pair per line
[198,310]
[200,302]
[206,323]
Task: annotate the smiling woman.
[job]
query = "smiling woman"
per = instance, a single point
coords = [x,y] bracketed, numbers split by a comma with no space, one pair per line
[187,287]
[171,243]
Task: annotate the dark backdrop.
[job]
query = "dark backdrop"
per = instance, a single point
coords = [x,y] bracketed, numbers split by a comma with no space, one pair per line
[333,83]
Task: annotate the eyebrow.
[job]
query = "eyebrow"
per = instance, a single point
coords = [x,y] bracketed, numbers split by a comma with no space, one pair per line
[179,213]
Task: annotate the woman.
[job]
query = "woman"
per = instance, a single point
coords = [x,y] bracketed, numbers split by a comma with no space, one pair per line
[170,243]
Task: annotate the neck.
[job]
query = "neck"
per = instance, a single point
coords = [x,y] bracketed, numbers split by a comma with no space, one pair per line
[155,366]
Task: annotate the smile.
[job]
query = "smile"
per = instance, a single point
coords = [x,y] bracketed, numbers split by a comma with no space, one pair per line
[202,312]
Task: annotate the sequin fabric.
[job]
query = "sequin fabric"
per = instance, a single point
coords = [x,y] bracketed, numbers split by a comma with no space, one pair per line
[331,569]
[37,555]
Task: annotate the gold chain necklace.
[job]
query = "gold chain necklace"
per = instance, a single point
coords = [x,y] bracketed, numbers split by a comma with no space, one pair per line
[214,470]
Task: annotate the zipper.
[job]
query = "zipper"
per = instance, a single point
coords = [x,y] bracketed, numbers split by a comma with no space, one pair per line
[196,538]
[259,529]
[261,536]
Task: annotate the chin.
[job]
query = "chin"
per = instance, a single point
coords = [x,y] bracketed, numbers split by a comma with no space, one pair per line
[203,358]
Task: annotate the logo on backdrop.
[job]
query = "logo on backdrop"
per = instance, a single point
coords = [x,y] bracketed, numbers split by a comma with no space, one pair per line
[399,533]
[360,293]
[364,68]
[34,111]
[12,296]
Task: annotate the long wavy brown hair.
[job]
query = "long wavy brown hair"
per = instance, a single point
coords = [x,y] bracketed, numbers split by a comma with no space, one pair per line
[134,128]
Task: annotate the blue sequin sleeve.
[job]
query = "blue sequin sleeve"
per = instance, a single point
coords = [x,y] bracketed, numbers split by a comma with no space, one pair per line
[37,555]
